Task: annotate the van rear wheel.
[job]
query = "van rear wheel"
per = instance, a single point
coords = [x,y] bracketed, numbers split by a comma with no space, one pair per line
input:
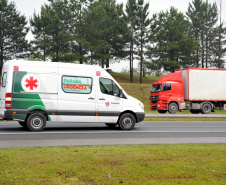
[36,122]
[23,124]
[127,121]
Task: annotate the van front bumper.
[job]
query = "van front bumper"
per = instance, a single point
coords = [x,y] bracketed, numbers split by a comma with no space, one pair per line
[140,116]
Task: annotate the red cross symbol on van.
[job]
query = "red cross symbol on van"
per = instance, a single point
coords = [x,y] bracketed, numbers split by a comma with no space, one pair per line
[31,83]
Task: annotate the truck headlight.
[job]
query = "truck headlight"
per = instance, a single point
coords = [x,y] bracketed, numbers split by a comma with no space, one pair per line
[158,105]
[141,105]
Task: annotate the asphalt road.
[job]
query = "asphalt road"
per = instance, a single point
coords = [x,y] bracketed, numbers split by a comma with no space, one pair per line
[71,134]
[167,115]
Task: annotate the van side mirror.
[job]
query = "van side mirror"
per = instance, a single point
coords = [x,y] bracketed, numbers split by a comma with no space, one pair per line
[120,93]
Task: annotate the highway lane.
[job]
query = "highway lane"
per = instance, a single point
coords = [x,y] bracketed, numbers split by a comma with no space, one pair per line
[78,134]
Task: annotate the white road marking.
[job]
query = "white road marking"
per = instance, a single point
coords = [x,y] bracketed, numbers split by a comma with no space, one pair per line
[106,132]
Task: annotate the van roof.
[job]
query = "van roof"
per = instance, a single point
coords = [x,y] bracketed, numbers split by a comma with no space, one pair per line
[52,64]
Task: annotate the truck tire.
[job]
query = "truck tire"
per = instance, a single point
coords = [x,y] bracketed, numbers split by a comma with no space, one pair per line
[36,122]
[193,111]
[173,108]
[127,121]
[162,111]
[206,108]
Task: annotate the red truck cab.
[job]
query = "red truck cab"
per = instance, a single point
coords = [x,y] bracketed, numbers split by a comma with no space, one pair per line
[167,93]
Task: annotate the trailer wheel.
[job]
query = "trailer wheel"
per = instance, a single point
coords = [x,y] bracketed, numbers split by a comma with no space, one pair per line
[173,108]
[110,125]
[36,122]
[206,108]
[127,121]
[162,111]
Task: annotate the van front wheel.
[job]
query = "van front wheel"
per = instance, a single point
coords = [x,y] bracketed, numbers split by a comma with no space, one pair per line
[36,122]
[110,125]
[127,121]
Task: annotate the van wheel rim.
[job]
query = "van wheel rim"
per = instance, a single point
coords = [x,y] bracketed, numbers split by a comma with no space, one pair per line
[127,122]
[36,122]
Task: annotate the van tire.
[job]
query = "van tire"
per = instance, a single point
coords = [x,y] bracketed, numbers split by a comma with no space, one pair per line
[111,125]
[173,108]
[23,124]
[36,122]
[127,121]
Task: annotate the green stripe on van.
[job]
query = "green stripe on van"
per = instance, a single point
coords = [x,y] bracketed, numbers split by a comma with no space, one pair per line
[23,100]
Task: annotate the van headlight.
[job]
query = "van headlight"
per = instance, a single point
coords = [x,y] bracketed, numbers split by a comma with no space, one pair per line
[141,105]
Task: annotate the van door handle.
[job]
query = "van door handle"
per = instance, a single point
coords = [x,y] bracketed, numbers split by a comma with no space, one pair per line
[101,99]
[91,98]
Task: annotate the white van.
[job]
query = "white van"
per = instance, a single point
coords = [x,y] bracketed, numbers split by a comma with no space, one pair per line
[36,92]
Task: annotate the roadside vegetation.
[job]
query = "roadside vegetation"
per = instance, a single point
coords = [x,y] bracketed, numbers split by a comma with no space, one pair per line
[136,164]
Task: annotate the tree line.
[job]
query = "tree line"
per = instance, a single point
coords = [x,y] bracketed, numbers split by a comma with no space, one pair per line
[103,31]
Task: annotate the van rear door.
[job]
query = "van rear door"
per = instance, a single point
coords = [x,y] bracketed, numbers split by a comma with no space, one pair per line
[4,86]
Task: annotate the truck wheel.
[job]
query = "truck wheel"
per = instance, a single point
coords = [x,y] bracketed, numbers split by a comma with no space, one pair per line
[206,108]
[195,111]
[173,108]
[162,111]
[127,121]
[36,122]
[110,125]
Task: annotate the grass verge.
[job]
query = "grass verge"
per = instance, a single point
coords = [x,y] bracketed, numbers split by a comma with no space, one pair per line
[184,119]
[137,164]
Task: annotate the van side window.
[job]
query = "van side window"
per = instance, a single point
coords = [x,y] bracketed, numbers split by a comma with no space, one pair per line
[166,87]
[76,84]
[3,81]
[108,86]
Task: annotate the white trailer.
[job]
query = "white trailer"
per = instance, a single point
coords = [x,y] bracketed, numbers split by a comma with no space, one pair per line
[204,88]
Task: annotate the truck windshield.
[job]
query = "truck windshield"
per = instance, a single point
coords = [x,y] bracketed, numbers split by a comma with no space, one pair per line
[156,88]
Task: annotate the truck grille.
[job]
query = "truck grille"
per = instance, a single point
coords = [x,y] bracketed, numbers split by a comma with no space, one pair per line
[154,99]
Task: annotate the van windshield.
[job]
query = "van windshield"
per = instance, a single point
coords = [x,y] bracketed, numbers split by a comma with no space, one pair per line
[156,88]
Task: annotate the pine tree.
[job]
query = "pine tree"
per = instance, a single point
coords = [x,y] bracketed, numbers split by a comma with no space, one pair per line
[203,18]
[131,19]
[40,29]
[143,24]
[173,44]
[13,31]
[104,31]
[51,31]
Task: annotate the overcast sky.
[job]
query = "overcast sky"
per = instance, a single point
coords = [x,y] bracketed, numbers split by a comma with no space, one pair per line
[28,7]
